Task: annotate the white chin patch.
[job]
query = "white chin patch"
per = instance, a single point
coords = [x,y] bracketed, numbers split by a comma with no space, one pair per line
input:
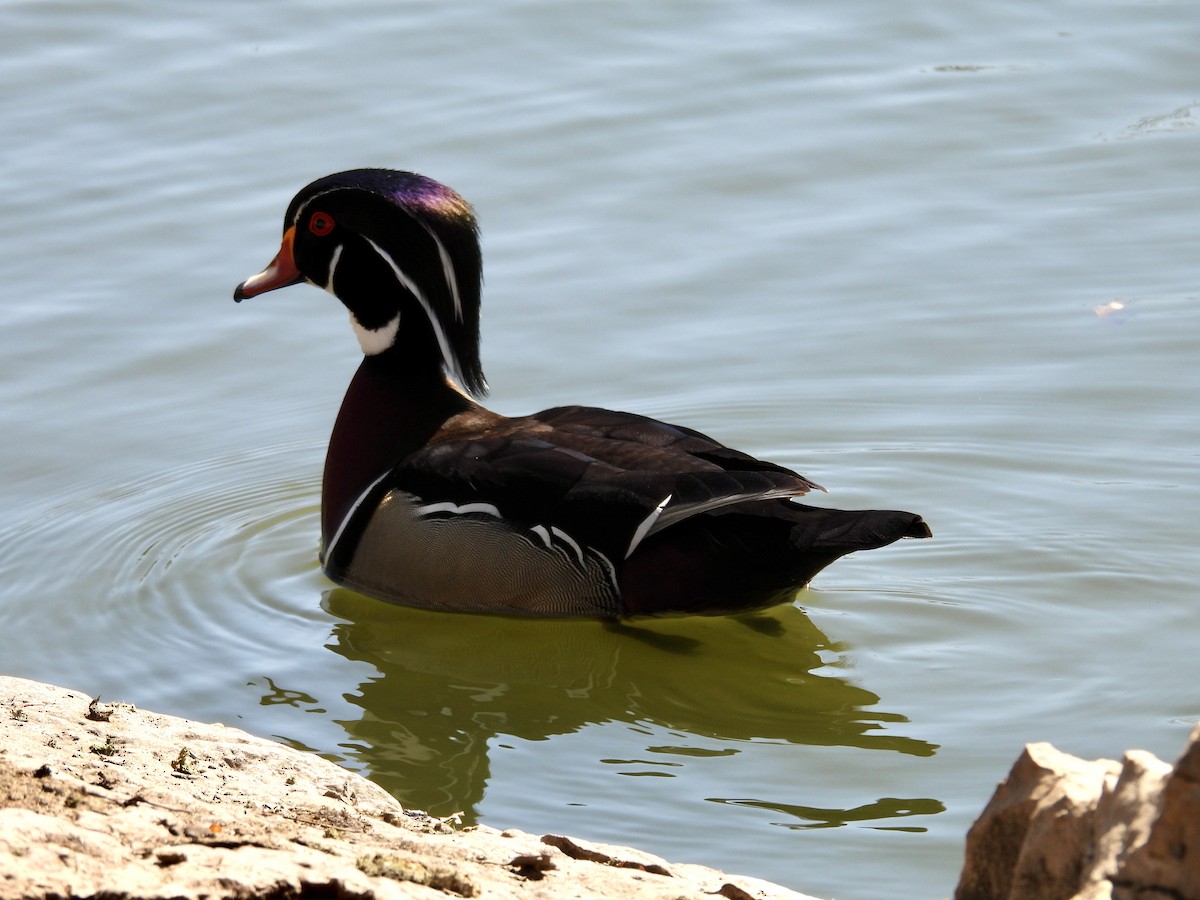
[375,340]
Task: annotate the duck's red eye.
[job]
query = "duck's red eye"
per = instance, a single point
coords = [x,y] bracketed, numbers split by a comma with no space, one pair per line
[320,224]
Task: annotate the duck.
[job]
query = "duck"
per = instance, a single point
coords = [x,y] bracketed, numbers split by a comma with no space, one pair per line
[429,499]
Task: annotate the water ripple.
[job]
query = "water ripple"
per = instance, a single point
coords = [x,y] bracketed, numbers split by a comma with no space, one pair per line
[161,561]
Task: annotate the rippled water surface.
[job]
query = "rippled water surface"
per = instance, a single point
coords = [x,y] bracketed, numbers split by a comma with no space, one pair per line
[937,256]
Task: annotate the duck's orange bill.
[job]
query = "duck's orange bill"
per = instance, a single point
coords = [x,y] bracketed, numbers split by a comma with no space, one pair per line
[279,273]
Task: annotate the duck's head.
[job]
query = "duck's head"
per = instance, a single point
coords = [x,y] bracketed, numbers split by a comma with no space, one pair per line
[401,251]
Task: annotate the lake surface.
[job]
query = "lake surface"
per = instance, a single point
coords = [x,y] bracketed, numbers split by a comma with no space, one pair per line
[937,256]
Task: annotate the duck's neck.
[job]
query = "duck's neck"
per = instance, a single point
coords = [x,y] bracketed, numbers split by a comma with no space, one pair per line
[390,409]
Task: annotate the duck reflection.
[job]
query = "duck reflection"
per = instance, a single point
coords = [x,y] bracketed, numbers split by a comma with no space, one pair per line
[448,684]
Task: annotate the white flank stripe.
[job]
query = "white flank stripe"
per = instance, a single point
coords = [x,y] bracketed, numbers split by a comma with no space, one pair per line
[443,343]
[540,531]
[447,506]
[612,571]
[647,524]
[567,539]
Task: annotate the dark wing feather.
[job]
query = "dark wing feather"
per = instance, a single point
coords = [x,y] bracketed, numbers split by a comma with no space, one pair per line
[708,475]
[599,475]
[536,482]
[632,430]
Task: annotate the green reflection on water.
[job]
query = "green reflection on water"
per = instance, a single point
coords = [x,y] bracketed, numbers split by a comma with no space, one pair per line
[819,817]
[448,684]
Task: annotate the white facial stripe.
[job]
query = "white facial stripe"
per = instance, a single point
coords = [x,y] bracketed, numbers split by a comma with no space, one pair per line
[443,343]
[333,261]
[375,340]
[448,271]
[647,524]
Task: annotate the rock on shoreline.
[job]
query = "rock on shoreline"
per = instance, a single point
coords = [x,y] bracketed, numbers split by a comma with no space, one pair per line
[109,802]
[1064,828]
[106,800]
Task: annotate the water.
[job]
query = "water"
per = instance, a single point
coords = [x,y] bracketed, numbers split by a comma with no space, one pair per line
[879,243]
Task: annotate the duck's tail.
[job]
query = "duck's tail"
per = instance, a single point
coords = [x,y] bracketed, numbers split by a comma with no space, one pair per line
[842,531]
[750,556]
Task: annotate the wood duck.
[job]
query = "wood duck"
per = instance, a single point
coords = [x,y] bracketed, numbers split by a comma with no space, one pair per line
[429,499]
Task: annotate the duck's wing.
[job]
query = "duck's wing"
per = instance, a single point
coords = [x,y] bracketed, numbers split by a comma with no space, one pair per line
[607,479]
[625,437]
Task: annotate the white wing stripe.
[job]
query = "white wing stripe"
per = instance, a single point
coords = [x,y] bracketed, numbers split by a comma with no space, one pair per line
[647,524]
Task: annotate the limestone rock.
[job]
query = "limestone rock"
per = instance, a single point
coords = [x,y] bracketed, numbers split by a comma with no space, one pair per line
[1166,858]
[1031,840]
[1062,828]
[108,800]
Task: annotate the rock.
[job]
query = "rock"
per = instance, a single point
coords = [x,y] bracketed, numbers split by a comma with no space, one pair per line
[1165,852]
[108,800]
[1030,842]
[1062,828]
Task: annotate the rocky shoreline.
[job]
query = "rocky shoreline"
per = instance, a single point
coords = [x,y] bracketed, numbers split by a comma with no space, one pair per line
[110,802]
